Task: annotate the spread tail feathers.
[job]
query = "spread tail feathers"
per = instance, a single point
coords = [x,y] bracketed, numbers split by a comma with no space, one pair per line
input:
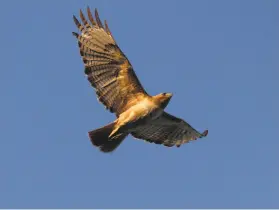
[100,138]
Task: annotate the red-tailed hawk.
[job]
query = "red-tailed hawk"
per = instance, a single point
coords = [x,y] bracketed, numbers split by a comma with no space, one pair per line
[118,88]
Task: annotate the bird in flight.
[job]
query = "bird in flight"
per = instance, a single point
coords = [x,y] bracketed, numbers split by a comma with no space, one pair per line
[112,76]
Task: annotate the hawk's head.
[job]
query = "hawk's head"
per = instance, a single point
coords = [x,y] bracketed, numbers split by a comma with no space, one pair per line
[163,99]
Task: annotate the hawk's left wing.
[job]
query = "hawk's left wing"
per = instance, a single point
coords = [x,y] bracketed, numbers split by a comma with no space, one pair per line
[168,130]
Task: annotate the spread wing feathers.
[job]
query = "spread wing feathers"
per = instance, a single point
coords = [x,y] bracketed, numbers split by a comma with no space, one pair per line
[168,130]
[107,68]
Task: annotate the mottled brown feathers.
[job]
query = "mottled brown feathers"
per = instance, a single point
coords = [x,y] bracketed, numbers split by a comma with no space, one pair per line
[169,131]
[107,68]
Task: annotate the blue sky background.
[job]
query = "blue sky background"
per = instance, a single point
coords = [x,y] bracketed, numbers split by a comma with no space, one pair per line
[219,58]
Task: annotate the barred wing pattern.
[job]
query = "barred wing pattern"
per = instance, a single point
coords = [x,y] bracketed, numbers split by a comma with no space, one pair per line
[107,68]
[168,130]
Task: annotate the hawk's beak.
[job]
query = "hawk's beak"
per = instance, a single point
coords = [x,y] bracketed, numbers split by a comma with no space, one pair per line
[169,95]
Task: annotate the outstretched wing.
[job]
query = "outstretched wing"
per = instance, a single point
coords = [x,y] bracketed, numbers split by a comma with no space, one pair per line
[168,130]
[107,68]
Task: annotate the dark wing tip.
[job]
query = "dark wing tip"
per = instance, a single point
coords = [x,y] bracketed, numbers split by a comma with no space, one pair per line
[75,34]
[76,21]
[204,134]
[99,22]
[90,16]
[107,28]
[81,15]
[96,12]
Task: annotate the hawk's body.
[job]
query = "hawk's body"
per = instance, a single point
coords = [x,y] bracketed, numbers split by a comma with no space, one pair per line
[118,88]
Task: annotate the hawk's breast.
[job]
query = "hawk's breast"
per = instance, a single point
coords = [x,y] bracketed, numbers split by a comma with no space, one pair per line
[151,111]
[141,113]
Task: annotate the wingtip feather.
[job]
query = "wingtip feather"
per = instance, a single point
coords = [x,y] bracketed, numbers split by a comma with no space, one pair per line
[90,16]
[75,34]
[76,21]
[81,15]
[98,20]
[204,134]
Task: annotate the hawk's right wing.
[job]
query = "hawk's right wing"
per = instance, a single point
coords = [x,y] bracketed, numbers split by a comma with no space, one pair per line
[107,68]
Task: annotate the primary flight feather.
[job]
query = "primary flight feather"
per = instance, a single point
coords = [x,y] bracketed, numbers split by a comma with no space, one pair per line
[111,74]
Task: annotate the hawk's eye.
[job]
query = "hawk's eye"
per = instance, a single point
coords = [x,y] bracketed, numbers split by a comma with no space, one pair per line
[164,94]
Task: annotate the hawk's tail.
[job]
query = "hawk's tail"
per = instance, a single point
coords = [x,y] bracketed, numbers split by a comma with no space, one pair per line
[100,138]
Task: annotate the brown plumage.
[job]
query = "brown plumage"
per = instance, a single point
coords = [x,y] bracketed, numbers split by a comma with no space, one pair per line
[111,74]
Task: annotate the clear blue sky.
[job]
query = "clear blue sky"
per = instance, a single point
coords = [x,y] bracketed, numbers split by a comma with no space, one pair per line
[219,58]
